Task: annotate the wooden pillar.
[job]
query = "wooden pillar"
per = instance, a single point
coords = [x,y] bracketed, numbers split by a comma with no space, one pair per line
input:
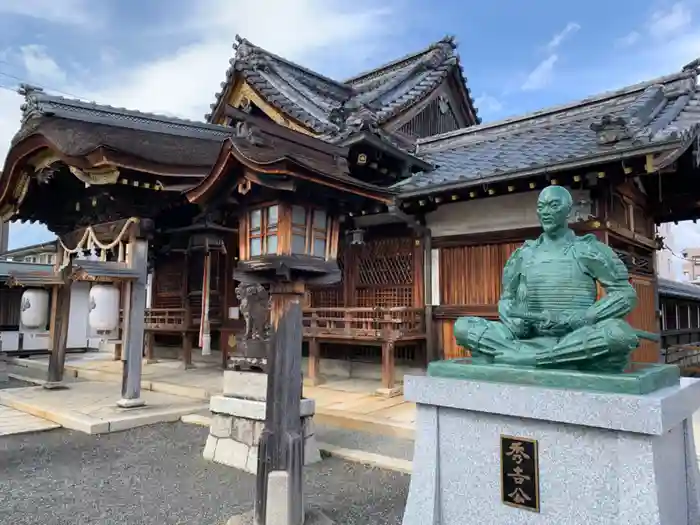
[314,374]
[282,441]
[204,327]
[137,259]
[185,299]
[388,388]
[149,347]
[187,350]
[58,324]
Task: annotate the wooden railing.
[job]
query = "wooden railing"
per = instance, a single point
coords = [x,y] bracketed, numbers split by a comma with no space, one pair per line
[385,324]
[165,319]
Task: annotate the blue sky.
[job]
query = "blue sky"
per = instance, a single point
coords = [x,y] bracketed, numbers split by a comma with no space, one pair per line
[171,56]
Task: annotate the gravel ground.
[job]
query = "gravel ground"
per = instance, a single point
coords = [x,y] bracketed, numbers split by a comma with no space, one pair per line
[156,475]
[376,444]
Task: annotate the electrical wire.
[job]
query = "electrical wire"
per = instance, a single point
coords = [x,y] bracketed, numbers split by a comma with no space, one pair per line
[665,246]
[25,81]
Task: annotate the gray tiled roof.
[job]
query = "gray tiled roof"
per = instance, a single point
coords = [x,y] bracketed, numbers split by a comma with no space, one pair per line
[329,107]
[653,114]
[678,289]
[39,103]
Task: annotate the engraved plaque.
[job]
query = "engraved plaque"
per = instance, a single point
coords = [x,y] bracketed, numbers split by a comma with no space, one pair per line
[520,483]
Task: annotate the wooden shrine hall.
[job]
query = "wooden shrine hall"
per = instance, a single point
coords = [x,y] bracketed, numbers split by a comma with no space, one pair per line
[423,201]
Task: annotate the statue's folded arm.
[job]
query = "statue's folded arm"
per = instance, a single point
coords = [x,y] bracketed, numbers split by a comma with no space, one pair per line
[601,263]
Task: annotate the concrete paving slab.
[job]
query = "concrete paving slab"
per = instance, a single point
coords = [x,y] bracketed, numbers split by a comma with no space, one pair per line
[90,407]
[16,422]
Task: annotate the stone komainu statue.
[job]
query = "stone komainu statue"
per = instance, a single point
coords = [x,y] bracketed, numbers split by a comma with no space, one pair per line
[254,301]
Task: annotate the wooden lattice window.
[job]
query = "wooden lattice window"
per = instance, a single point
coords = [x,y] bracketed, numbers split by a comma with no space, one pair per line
[385,262]
[309,231]
[262,236]
[282,228]
[385,273]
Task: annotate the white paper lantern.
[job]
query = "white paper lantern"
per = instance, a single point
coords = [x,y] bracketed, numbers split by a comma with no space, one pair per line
[35,308]
[104,308]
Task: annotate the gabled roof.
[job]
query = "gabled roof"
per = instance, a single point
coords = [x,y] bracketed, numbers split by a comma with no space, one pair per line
[327,106]
[658,115]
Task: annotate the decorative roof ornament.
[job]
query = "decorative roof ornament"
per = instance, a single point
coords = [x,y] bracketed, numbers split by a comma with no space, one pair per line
[29,106]
[439,52]
[251,134]
[363,120]
[243,48]
[628,124]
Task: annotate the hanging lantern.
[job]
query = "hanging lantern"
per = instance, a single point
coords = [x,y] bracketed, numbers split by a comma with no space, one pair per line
[104,308]
[34,308]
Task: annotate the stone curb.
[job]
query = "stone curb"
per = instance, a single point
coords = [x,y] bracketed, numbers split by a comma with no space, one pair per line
[367,458]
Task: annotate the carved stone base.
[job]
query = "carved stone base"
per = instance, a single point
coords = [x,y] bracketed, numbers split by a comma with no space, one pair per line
[238,420]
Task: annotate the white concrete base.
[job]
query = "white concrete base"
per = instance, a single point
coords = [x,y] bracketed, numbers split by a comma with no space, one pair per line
[131,403]
[604,459]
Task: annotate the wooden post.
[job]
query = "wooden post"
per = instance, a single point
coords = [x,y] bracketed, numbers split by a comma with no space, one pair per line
[205,328]
[187,350]
[282,441]
[314,374]
[58,325]
[149,345]
[137,259]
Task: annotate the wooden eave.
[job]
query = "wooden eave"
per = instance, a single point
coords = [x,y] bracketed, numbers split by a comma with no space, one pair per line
[16,174]
[231,156]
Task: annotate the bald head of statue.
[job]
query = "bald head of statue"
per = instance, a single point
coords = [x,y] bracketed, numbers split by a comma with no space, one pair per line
[553,209]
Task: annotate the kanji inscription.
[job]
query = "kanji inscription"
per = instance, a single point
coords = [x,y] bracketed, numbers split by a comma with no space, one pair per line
[520,473]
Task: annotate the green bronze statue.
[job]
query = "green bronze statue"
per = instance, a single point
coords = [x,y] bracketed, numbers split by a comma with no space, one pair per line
[549,315]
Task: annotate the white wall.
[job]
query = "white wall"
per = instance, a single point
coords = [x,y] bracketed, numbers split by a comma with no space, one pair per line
[665,266]
[499,213]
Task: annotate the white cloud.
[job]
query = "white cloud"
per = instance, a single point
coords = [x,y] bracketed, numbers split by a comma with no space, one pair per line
[665,24]
[555,42]
[40,67]
[664,43]
[629,39]
[71,12]
[183,81]
[542,75]
[488,104]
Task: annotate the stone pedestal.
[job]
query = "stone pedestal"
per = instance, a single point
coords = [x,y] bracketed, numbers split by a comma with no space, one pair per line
[238,420]
[603,459]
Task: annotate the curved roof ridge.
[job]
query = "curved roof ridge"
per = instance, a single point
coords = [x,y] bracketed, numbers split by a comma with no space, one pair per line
[561,108]
[449,40]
